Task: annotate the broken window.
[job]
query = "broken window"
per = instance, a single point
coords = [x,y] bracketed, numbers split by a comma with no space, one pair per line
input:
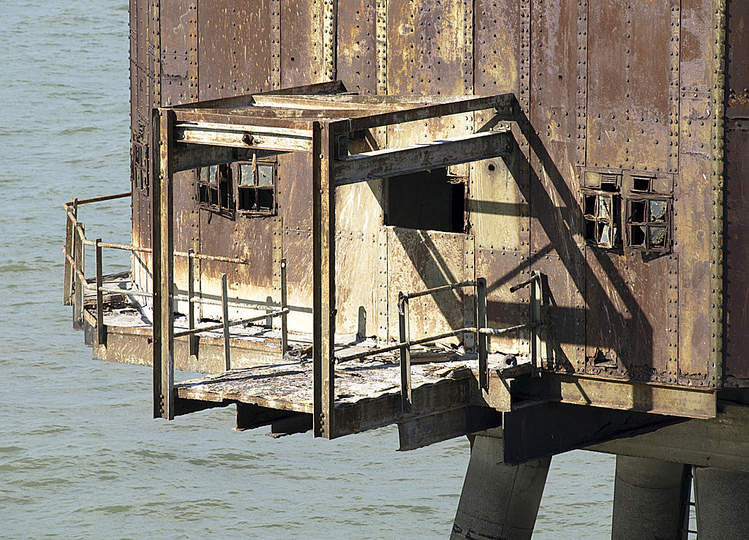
[215,189]
[648,224]
[602,218]
[431,200]
[642,203]
[139,165]
[256,189]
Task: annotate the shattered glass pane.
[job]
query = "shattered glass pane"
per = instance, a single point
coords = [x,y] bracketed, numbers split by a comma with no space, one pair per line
[658,210]
[246,178]
[265,175]
[212,174]
[605,238]
[657,236]
[604,208]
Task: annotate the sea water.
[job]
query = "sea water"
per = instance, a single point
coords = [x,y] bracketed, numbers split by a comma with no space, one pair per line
[80,455]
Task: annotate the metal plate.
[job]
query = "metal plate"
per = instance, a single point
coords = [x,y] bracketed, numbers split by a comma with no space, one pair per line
[226,67]
[419,260]
[356,59]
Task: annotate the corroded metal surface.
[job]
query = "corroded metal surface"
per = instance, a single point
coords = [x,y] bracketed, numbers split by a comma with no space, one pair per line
[604,88]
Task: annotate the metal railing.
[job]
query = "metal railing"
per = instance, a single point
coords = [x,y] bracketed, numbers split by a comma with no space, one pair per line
[76,284]
[481,330]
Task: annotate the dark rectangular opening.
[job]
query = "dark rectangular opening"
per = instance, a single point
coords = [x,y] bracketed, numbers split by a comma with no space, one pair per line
[609,182]
[637,235]
[590,205]
[641,184]
[590,230]
[426,200]
[637,211]
[264,199]
[246,199]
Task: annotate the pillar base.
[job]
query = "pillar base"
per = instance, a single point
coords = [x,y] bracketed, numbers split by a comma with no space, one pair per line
[722,498]
[649,498]
[498,501]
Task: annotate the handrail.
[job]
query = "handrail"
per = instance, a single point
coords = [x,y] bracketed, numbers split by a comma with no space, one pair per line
[76,282]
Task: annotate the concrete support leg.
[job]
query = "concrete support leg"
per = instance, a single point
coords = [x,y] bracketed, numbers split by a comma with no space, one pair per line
[498,501]
[722,498]
[649,495]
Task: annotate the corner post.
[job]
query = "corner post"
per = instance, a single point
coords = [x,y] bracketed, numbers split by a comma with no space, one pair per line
[79,257]
[536,343]
[323,270]
[482,339]
[225,316]
[163,270]
[101,329]
[284,316]
[405,351]
[70,236]
[192,338]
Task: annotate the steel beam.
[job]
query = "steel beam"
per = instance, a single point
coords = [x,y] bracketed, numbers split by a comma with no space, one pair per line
[163,272]
[323,277]
[421,157]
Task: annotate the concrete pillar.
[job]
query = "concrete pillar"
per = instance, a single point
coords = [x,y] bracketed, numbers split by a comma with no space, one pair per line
[498,501]
[648,498]
[722,498]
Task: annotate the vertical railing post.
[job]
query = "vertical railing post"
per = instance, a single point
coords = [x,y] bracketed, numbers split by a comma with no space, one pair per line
[70,235]
[79,258]
[481,338]
[101,329]
[536,297]
[225,312]
[323,276]
[405,351]
[192,338]
[163,267]
[284,316]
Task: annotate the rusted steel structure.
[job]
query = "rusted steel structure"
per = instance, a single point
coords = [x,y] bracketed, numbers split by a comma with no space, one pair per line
[555,186]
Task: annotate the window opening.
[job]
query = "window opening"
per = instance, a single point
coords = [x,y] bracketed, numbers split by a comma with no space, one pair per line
[648,224]
[431,200]
[139,165]
[256,191]
[215,189]
[641,184]
[602,218]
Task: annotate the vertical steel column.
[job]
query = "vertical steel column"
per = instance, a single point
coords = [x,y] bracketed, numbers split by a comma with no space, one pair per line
[536,297]
[323,269]
[225,312]
[163,271]
[101,329]
[70,235]
[405,351]
[284,316]
[192,338]
[482,340]
[79,257]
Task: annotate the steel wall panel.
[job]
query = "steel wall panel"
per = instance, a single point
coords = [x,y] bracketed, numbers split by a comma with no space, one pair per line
[426,43]
[737,253]
[502,270]
[496,46]
[737,74]
[234,48]
[555,222]
[177,19]
[356,54]
[301,42]
[356,297]
[419,260]
[629,73]
[736,369]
